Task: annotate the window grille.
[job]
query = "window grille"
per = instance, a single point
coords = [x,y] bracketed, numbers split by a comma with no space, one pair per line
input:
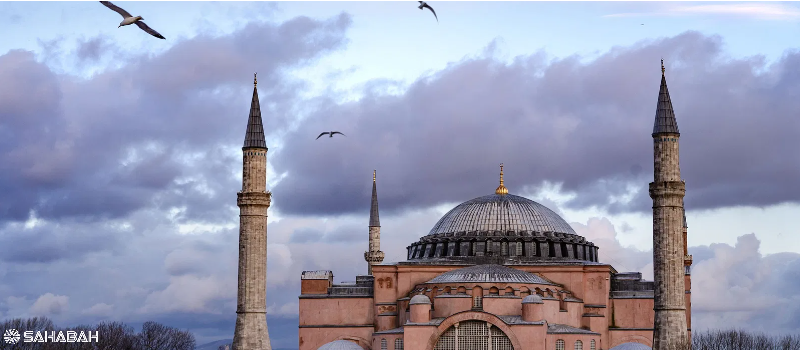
[384,346]
[473,335]
[578,345]
[398,344]
[560,344]
[592,345]
[519,248]
[504,249]
[477,301]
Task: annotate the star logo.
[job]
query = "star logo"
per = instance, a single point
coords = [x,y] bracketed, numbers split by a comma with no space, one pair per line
[11,336]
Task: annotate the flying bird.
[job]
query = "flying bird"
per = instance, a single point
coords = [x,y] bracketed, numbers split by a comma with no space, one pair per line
[423,5]
[128,19]
[331,133]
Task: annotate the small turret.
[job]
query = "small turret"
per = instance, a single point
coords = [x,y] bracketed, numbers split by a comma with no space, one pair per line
[374,256]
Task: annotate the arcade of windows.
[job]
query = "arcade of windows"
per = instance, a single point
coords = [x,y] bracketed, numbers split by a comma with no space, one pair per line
[561,345]
[473,335]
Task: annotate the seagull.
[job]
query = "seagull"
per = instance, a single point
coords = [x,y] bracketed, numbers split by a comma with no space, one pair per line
[423,4]
[128,19]
[331,133]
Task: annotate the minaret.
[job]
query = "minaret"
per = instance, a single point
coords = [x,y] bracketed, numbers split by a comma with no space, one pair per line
[374,256]
[667,191]
[253,201]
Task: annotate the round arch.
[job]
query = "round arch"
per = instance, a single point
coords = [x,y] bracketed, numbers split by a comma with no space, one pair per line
[473,316]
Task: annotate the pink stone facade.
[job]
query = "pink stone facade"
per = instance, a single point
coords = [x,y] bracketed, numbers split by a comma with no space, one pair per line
[578,306]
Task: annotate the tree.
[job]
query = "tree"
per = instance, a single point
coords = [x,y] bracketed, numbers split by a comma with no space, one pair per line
[116,336]
[25,325]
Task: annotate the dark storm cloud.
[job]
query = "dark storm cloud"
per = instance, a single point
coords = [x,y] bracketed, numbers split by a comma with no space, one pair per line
[50,243]
[585,125]
[345,234]
[156,131]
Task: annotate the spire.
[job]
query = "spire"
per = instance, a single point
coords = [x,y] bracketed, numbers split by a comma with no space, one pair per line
[665,116]
[254,136]
[374,220]
[501,190]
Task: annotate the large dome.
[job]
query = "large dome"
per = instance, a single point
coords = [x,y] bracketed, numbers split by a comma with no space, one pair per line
[501,212]
[502,229]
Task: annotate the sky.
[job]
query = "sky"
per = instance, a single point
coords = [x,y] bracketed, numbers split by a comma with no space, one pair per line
[120,154]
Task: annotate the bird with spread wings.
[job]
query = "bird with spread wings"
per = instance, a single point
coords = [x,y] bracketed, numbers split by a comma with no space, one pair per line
[128,19]
[329,133]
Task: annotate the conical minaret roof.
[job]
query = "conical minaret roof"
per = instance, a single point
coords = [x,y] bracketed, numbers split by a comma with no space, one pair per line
[665,117]
[374,219]
[254,136]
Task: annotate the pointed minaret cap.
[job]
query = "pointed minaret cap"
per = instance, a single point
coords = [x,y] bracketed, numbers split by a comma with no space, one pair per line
[374,219]
[665,122]
[254,136]
[501,190]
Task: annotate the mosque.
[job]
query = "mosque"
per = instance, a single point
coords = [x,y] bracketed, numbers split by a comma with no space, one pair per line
[502,272]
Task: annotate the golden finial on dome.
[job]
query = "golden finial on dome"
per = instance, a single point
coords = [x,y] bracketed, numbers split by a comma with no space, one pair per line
[255,79]
[374,172]
[662,67]
[502,188]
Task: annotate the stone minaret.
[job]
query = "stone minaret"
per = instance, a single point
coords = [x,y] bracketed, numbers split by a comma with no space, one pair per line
[253,201]
[667,191]
[374,256]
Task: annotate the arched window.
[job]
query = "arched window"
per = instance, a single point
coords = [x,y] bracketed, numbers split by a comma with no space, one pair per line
[473,335]
[578,345]
[398,344]
[560,344]
[384,346]
[477,298]
[504,248]
[592,345]
[519,248]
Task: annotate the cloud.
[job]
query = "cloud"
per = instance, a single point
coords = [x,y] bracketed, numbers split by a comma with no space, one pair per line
[100,309]
[732,286]
[602,233]
[151,131]
[739,287]
[763,11]
[50,304]
[583,126]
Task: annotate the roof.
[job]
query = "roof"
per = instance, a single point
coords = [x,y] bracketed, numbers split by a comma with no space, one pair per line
[489,273]
[533,299]
[555,328]
[665,117]
[316,275]
[420,299]
[254,136]
[504,213]
[340,345]
[631,346]
[374,219]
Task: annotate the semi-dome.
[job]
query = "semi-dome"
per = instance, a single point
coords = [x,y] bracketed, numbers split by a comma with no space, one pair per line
[488,274]
[340,345]
[419,299]
[501,228]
